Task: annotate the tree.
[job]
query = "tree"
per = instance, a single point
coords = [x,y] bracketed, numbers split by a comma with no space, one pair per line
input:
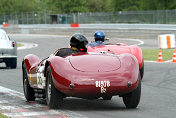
[17,6]
[66,6]
[72,6]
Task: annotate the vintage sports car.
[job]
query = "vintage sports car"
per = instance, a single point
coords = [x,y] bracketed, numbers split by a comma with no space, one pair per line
[8,50]
[121,48]
[83,75]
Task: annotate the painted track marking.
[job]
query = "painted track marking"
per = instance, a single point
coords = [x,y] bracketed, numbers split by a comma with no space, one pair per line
[27,45]
[13,104]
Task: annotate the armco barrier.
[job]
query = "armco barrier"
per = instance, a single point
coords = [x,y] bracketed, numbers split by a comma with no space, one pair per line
[139,31]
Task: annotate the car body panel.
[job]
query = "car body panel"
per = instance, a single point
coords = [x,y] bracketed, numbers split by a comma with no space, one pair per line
[86,84]
[118,49]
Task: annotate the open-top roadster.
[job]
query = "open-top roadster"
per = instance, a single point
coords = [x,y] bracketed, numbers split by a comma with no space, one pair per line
[121,48]
[83,75]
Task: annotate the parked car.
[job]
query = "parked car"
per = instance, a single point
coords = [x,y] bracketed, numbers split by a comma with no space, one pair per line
[8,50]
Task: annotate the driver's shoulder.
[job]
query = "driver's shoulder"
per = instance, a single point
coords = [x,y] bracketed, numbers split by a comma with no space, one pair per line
[92,44]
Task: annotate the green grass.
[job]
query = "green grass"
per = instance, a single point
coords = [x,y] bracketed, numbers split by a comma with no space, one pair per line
[2,116]
[19,45]
[152,54]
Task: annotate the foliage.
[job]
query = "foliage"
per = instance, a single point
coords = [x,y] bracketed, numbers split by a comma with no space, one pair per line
[72,6]
[17,6]
[3,116]
[66,6]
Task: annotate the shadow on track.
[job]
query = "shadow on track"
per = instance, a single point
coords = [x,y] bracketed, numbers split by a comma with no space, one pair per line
[78,104]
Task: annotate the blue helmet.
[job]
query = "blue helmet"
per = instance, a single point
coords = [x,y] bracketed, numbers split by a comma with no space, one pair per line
[99,36]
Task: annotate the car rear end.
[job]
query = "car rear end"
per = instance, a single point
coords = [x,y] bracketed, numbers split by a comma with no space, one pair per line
[8,50]
[96,75]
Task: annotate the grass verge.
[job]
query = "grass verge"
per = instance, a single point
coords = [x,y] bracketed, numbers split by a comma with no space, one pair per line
[19,45]
[152,54]
[2,116]
[148,54]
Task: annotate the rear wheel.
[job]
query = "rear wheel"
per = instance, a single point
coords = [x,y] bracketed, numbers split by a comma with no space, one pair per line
[142,70]
[7,64]
[54,98]
[28,91]
[132,99]
[13,63]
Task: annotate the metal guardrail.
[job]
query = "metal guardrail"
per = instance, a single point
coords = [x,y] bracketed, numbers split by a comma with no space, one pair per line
[138,31]
[105,26]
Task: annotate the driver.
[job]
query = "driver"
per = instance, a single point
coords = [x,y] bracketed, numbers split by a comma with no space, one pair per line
[99,37]
[78,43]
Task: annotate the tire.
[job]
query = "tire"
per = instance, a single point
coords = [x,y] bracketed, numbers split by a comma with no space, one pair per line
[7,64]
[132,99]
[54,98]
[13,63]
[107,97]
[142,70]
[28,91]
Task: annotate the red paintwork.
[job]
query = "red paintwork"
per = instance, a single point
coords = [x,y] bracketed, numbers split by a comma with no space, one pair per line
[118,49]
[83,70]
[31,60]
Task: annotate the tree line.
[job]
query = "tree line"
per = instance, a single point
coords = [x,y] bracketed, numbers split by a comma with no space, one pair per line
[74,6]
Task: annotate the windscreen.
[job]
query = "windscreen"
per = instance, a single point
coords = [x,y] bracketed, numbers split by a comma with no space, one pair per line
[3,35]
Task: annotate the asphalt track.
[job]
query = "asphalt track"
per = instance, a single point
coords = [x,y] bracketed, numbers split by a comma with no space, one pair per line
[158,88]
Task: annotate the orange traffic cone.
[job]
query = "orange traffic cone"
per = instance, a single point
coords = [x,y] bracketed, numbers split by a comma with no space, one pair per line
[174,57]
[160,58]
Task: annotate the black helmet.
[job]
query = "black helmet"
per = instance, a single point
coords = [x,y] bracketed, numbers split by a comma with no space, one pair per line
[79,41]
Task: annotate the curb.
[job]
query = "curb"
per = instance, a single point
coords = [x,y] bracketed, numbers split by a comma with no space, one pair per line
[13,104]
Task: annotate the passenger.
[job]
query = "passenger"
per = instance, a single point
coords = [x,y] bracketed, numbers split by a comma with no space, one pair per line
[99,37]
[78,43]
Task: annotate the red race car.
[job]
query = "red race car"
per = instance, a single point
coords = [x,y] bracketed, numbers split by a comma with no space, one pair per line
[83,75]
[121,48]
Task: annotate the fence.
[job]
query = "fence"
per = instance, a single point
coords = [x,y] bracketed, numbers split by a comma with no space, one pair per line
[46,17]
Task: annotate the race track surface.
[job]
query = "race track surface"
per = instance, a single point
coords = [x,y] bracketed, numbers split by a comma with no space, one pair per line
[157,99]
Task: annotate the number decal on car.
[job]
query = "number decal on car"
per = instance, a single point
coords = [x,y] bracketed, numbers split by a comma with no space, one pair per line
[40,77]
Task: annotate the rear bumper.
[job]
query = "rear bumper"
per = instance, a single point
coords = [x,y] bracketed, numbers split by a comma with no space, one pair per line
[97,86]
[93,91]
[6,58]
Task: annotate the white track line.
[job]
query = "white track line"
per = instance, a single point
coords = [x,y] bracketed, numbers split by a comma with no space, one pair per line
[38,113]
[27,46]
[137,40]
[69,114]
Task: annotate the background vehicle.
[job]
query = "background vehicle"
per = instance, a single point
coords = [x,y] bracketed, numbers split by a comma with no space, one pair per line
[83,75]
[8,50]
[121,48]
